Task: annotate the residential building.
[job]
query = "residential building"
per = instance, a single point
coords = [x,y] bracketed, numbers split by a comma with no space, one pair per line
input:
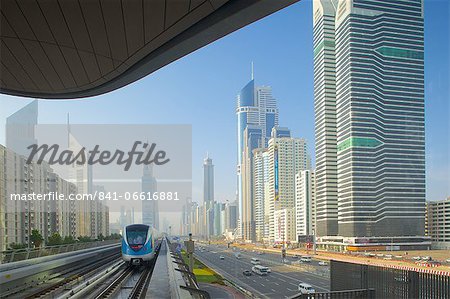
[305,200]
[438,223]
[21,217]
[259,161]
[285,225]
[3,198]
[286,157]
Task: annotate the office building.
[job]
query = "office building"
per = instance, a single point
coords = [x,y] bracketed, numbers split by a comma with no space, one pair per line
[208,182]
[369,101]
[208,195]
[325,116]
[257,114]
[150,212]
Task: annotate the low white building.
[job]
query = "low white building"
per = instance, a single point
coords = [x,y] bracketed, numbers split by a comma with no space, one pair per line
[305,200]
[285,225]
[437,223]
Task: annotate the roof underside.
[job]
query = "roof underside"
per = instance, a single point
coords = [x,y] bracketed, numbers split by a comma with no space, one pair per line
[72,49]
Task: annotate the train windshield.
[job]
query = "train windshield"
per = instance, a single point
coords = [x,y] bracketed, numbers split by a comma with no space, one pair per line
[137,234]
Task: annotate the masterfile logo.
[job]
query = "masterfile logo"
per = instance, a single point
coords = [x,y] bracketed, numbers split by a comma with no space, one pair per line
[121,165]
[146,156]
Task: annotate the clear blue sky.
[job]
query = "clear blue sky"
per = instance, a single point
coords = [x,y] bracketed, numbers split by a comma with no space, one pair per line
[200,89]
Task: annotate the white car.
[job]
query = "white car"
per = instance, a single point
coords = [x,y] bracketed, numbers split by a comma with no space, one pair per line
[305,288]
[322,263]
[222,257]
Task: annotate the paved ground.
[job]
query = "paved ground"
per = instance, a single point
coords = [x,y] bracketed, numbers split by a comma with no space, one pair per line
[282,282]
[406,260]
[221,292]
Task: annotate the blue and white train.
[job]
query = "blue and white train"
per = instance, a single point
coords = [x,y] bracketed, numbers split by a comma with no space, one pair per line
[138,244]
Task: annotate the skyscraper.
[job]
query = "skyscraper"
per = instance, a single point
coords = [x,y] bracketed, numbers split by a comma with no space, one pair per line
[150,212]
[325,116]
[259,177]
[286,157]
[208,182]
[257,114]
[369,90]
[208,195]
[20,129]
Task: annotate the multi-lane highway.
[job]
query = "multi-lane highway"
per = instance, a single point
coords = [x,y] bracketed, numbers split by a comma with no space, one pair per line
[283,281]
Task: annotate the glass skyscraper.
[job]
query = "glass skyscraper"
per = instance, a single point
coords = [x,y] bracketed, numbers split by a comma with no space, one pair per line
[208,195]
[150,212]
[370,132]
[257,114]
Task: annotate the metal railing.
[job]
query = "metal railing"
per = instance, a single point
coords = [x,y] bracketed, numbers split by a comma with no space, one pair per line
[390,281]
[351,294]
[189,277]
[22,254]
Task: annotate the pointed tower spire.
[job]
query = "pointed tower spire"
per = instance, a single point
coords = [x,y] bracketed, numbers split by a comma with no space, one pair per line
[253,74]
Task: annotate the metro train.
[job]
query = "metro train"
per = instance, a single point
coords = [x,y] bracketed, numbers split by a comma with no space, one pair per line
[138,244]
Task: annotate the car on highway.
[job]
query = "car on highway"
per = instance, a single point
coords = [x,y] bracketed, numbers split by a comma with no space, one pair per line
[305,288]
[322,263]
[417,258]
[222,257]
[306,259]
[260,270]
[255,261]
[247,273]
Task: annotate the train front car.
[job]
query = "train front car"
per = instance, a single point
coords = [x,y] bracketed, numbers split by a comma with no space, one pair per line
[137,244]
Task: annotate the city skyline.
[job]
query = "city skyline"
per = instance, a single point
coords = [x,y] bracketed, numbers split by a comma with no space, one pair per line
[266,149]
[297,112]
